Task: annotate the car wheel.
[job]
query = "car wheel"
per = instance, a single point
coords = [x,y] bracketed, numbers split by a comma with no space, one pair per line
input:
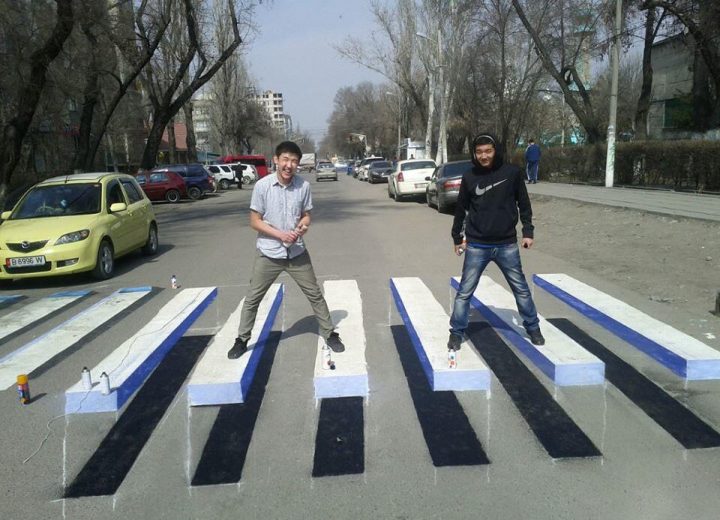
[151,246]
[224,184]
[172,196]
[194,192]
[105,263]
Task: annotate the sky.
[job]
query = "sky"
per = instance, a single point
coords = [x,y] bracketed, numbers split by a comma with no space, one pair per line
[293,54]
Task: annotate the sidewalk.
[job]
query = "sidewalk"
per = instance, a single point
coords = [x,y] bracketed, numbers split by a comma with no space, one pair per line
[705,207]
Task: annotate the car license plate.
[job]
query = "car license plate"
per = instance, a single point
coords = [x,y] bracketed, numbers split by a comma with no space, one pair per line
[25,261]
[420,184]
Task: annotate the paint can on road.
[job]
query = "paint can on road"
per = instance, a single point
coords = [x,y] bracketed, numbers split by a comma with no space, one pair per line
[23,389]
[86,379]
[104,384]
[452,359]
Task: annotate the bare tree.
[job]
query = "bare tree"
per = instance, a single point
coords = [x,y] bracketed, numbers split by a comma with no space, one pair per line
[29,90]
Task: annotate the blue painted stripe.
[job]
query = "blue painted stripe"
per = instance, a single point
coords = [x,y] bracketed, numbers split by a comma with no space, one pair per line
[414,338]
[65,294]
[10,298]
[135,289]
[656,351]
[545,365]
[136,379]
[256,353]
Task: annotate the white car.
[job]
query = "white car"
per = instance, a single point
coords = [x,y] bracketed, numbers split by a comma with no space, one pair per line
[325,170]
[409,178]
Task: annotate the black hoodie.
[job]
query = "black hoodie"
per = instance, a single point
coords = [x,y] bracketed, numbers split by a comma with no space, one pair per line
[489,201]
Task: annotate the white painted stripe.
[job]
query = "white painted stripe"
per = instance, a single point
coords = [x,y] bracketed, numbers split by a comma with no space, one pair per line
[561,358]
[32,312]
[41,350]
[350,377]
[426,318]
[131,363]
[218,380]
[678,351]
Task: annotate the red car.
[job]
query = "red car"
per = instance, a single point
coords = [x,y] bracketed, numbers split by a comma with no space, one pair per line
[169,186]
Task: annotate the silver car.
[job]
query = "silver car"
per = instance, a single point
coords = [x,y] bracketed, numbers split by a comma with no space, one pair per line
[325,170]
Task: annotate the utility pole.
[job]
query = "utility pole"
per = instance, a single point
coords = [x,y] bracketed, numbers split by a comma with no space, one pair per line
[610,161]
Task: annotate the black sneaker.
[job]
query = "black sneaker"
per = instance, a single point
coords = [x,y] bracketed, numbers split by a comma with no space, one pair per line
[239,348]
[536,337]
[334,342]
[454,342]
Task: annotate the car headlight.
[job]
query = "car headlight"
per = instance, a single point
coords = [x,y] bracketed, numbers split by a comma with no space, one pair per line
[75,236]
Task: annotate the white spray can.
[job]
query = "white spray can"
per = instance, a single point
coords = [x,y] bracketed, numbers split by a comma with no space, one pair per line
[86,379]
[327,363]
[104,384]
[452,359]
[173,282]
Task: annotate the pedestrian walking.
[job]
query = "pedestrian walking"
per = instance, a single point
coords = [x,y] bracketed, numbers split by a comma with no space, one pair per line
[491,196]
[532,161]
[280,208]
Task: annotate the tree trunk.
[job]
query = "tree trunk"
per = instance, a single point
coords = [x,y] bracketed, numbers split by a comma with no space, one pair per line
[91,95]
[14,132]
[160,121]
[172,144]
[430,114]
[192,155]
[643,104]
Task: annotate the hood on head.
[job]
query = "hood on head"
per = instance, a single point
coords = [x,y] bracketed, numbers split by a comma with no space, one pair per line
[486,138]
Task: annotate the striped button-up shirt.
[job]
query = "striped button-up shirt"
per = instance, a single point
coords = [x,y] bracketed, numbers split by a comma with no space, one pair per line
[282,207]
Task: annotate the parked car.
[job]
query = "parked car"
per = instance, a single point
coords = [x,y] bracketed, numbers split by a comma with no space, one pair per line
[408,178]
[379,171]
[169,186]
[325,170]
[197,179]
[361,171]
[76,223]
[224,174]
[258,161]
[444,184]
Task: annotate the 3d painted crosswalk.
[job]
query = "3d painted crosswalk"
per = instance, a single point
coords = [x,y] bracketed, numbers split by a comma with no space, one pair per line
[681,353]
[494,351]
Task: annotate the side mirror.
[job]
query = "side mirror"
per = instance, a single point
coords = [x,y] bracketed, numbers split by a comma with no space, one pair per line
[428,179]
[5,215]
[118,206]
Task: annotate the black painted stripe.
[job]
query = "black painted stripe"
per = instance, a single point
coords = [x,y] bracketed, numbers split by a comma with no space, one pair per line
[554,428]
[109,465]
[448,434]
[223,456]
[686,427]
[340,439]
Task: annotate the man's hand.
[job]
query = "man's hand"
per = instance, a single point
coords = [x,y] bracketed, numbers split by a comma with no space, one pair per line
[288,237]
[527,243]
[459,249]
[301,229]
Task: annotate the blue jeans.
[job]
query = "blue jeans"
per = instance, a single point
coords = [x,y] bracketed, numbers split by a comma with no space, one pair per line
[507,258]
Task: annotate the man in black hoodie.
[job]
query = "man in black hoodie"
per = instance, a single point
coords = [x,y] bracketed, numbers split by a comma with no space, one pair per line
[490,196]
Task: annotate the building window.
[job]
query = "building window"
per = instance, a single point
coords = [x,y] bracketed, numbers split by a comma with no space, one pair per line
[678,113]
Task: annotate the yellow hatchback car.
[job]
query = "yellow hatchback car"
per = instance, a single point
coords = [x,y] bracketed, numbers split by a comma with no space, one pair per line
[76,223]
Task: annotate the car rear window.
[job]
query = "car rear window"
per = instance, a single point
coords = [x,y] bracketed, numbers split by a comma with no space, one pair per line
[456,169]
[417,165]
[381,164]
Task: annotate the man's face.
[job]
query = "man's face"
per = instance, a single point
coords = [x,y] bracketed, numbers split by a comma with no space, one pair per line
[485,155]
[287,164]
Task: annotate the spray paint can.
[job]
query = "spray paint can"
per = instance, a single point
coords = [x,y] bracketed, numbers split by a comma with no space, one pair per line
[86,379]
[23,389]
[452,359]
[327,363]
[104,384]
[173,282]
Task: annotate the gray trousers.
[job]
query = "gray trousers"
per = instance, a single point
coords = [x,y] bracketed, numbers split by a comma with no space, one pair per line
[265,272]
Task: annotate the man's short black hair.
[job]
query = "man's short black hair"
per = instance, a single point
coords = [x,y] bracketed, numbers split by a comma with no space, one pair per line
[288,147]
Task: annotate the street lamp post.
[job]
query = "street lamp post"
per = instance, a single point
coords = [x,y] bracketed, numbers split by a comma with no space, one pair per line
[610,159]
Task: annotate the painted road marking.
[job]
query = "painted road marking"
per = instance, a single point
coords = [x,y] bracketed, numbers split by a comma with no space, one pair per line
[106,469]
[561,359]
[554,429]
[681,353]
[130,364]
[428,327]
[350,377]
[340,438]
[686,427]
[449,436]
[223,456]
[6,301]
[36,353]
[17,321]
[219,380]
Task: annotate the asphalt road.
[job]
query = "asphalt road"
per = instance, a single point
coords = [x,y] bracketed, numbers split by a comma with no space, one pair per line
[357,233]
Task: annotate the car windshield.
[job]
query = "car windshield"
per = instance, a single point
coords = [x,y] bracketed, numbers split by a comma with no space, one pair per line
[456,169]
[380,164]
[59,199]
[417,165]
